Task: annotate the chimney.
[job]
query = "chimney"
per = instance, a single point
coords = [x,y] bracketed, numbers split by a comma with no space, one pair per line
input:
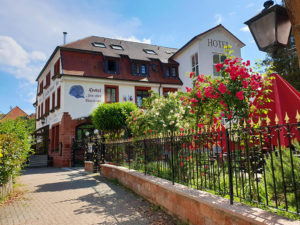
[65,37]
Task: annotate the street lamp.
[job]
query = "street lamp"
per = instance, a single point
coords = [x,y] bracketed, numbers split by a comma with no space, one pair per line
[271,27]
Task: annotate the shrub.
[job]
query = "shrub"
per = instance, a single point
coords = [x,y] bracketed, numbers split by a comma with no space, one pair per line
[15,146]
[111,118]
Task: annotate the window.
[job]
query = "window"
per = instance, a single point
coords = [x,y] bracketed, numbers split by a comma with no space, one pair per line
[42,110]
[111,66]
[154,67]
[100,45]
[151,52]
[39,112]
[53,101]
[58,98]
[140,93]
[139,69]
[47,80]
[47,106]
[41,88]
[170,71]
[195,65]
[116,47]
[167,90]
[217,58]
[55,138]
[111,93]
[56,68]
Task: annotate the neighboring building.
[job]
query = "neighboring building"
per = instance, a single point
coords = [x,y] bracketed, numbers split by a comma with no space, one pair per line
[84,73]
[205,50]
[13,114]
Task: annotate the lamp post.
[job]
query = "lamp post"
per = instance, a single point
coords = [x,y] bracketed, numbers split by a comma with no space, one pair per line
[271,28]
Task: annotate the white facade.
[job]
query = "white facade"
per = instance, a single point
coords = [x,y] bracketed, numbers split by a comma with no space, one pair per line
[206,46]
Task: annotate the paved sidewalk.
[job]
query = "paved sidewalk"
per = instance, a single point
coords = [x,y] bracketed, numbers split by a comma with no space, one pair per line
[70,196]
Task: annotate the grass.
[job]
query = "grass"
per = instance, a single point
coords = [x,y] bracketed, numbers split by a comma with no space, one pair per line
[17,194]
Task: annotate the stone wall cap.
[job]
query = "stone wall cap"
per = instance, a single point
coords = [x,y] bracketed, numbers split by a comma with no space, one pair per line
[245,212]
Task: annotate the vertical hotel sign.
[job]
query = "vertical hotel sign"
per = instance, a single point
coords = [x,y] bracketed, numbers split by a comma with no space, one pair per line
[91,95]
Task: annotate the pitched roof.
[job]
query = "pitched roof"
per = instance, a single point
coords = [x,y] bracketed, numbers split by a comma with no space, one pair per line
[134,50]
[202,34]
[15,113]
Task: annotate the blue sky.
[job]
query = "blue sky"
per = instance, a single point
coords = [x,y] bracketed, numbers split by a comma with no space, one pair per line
[31,29]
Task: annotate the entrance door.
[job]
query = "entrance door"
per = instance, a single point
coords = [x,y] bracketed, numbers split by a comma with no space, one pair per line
[78,145]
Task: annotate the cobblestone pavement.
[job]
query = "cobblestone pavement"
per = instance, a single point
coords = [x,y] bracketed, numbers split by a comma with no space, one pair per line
[71,196]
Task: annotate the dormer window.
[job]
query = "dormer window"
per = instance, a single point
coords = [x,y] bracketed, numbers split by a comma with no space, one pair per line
[139,69]
[100,45]
[170,71]
[111,66]
[116,47]
[151,52]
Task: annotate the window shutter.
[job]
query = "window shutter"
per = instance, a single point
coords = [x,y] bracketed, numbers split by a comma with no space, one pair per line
[132,67]
[105,66]
[117,67]
[147,70]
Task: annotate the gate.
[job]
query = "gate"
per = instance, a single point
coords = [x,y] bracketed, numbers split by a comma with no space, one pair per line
[78,152]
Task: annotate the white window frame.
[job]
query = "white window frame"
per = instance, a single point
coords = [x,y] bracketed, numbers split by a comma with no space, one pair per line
[195,63]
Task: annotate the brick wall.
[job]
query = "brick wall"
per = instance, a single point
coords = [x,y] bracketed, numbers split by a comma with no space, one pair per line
[193,206]
[67,128]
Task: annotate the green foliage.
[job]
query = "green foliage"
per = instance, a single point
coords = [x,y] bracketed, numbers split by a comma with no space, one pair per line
[111,118]
[283,170]
[284,61]
[160,115]
[15,146]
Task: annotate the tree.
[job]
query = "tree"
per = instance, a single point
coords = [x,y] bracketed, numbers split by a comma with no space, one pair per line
[284,61]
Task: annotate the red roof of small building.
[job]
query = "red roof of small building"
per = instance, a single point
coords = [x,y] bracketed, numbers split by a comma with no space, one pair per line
[13,114]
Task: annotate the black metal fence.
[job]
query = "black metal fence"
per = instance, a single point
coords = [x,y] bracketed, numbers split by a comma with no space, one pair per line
[259,165]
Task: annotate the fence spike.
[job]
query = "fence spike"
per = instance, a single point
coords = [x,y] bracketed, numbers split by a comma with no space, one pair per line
[268,121]
[259,121]
[298,117]
[286,118]
[276,119]
[251,122]
[245,124]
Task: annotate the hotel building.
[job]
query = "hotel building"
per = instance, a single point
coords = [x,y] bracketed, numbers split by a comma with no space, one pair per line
[81,74]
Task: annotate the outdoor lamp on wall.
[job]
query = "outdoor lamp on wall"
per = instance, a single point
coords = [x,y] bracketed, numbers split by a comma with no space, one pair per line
[87,133]
[43,121]
[271,28]
[96,132]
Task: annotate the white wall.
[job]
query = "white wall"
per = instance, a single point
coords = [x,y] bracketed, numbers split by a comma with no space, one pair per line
[205,50]
[54,84]
[94,94]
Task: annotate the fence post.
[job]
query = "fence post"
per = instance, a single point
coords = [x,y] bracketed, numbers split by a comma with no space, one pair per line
[229,166]
[172,160]
[95,153]
[102,149]
[145,156]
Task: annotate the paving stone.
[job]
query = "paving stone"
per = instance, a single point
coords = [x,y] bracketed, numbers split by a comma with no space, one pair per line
[71,196]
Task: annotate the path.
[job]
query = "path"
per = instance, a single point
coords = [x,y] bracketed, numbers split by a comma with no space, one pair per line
[68,196]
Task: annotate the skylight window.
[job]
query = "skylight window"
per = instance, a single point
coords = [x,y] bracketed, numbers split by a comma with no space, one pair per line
[117,47]
[148,51]
[98,44]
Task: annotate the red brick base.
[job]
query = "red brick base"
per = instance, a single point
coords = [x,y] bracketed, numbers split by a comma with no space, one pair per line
[193,206]
[67,129]
[89,166]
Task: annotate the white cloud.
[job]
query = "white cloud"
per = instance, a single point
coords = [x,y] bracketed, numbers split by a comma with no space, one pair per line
[245,29]
[133,38]
[218,18]
[17,61]
[250,5]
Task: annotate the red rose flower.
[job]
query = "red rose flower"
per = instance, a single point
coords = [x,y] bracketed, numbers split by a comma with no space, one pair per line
[240,95]
[222,88]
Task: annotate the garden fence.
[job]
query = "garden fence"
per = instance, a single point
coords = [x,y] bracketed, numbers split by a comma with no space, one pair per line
[255,165]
